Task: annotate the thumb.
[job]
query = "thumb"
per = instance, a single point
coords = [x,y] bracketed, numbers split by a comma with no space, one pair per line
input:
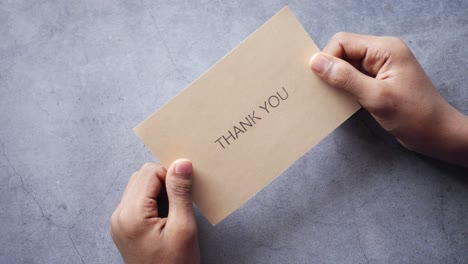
[179,191]
[339,73]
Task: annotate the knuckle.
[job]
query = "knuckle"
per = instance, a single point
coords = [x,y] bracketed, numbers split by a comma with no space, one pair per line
[398,44]
[181,187]
[395,40]
[379,54]
[134,175]
[124,224]
[340,36]
[149,203]
[398,41]
[342,75]
[149,166]
[114,221]
[153,167]
[113,218]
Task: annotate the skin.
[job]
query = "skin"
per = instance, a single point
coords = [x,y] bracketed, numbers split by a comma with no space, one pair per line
[379,72]
[387,80]
[140,234]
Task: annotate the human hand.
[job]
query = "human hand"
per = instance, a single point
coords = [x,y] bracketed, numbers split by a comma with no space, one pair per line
[385,77]
[140,234]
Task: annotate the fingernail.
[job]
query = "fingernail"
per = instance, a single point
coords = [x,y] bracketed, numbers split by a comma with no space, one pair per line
[319,63]
[183,167]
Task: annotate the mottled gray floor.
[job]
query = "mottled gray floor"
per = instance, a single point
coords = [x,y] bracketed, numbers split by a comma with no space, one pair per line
[77,76]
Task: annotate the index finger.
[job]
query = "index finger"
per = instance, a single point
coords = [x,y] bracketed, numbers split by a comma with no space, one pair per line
[368,53]
[348,45]
[148,181]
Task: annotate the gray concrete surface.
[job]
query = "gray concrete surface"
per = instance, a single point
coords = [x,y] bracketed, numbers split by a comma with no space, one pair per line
[77,76]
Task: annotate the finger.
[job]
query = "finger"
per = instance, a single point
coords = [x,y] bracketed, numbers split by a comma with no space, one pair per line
[130,183]
[125,196]
[348,46]
[366,53]
[148,183]
[179,192]
[339,73]
[146,189]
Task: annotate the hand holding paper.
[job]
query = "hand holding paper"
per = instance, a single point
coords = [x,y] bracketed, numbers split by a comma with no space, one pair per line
[396,90]
[172,238]
[249,117]
[255,112]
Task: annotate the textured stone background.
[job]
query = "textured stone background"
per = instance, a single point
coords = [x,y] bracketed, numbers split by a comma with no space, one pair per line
[77,76]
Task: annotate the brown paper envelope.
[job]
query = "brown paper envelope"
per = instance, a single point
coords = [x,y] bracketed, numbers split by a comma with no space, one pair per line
[248,118]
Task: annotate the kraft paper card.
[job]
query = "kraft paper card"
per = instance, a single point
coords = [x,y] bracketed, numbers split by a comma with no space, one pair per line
[248,118]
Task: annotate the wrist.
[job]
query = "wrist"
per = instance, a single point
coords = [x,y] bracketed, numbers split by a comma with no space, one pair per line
[452,138]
